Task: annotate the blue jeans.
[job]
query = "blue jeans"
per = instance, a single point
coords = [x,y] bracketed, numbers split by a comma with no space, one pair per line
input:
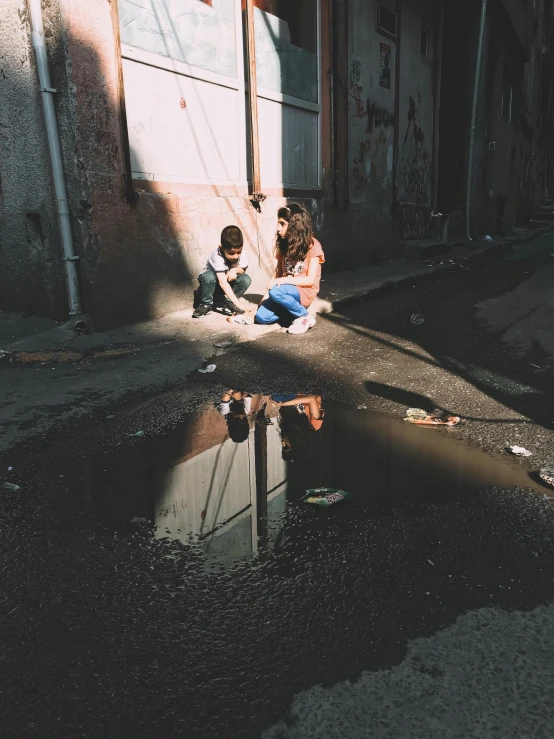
[283,302]
[210,287]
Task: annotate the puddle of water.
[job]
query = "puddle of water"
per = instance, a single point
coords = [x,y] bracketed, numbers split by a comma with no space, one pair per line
[227,477]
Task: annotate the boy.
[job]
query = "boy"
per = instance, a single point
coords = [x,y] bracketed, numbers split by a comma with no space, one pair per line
[224,276]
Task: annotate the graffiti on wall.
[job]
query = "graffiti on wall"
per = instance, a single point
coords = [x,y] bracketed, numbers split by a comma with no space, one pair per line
[415,221]
[374,159]
[415,165]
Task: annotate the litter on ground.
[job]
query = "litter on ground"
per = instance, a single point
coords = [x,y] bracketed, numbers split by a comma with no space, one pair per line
[324,496]
[519,451]
[546,475]
[420,417]
[209,368]
[243,319]
[10,486]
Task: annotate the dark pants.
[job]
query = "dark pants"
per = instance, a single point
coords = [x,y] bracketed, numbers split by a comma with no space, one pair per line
[210,289]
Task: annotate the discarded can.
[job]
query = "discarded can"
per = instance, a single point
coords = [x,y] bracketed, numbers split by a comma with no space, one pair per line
[324,496]
[417,319]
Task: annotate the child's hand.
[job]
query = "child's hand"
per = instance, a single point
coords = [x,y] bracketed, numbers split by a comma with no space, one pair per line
[232,274]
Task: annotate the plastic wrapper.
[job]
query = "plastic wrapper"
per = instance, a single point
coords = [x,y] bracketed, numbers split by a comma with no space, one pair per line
[324,496]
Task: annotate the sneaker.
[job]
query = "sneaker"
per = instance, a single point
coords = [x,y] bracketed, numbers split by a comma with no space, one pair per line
[301,325]
[228,309]
[202,310]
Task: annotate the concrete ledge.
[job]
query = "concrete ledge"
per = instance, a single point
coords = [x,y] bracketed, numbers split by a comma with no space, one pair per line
[214,334]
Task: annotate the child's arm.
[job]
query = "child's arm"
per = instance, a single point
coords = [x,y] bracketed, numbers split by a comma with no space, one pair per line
[232,274]
[227,289]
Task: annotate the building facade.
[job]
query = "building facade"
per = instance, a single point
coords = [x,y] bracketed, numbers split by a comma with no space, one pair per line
[179,117]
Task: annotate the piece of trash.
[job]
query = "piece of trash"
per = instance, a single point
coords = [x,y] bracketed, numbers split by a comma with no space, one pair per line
[416,413]
[10,486]
[223,344]
[535,365]
[421,418]
[138,433]
[487,238]
[324,496]
[362,407]
[431,563]
[3,354]
[546,475]
[417,319]
[10,469]
[519,451]
[243,319]
[110,416]
[209,368]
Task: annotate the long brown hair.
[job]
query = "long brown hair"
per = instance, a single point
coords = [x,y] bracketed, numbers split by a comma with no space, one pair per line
[299,238]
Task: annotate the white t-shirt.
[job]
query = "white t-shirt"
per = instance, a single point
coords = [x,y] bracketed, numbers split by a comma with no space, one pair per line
[217,262]
[224,407]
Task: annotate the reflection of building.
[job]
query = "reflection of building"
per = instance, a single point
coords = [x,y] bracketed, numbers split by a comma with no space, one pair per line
[211,492]
[363,111]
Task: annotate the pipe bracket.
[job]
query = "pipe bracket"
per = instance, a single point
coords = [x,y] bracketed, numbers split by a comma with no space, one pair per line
[48,89]
[71,259]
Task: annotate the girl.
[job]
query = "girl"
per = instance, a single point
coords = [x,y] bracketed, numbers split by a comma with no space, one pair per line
[299,416]
[295,283]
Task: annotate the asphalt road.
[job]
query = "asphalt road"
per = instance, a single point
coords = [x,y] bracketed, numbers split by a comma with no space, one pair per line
[424,611]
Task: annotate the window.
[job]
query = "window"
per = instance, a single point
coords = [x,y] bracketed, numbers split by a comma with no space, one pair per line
[191,31]
[185,79]
[425,41]
[287,73]
[386,20]
[286,47]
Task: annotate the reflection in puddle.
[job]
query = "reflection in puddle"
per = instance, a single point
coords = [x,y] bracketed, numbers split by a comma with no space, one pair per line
[226,477]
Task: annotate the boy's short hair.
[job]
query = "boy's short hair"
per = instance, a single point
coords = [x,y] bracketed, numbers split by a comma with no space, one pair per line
[231,238]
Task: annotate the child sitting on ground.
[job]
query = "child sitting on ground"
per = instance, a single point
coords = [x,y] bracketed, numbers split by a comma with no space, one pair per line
[295,283]
[235,408]
[224,280]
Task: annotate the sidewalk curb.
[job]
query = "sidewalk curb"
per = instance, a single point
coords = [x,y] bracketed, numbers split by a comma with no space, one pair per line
[492,249]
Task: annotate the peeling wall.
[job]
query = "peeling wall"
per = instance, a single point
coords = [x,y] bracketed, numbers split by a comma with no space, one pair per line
[415,156]
[370,135]
[31,268]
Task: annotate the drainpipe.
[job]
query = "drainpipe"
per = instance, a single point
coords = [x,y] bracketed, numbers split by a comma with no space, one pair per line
[395,152]
[476,86]
[437,104]
[56,161]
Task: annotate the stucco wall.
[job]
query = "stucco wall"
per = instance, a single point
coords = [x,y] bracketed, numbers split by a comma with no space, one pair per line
[370,137]
[31,269]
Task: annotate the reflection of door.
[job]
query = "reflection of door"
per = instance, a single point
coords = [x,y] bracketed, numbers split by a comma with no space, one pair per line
[198,495]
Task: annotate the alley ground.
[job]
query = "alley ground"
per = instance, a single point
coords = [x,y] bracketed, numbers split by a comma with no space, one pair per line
[428,614]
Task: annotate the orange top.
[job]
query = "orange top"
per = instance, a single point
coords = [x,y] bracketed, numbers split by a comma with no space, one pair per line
[316,423]
[284,268]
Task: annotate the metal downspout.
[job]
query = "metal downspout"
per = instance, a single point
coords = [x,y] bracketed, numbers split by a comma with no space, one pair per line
[56,161]
[476,87]
[437,103]
[395,152]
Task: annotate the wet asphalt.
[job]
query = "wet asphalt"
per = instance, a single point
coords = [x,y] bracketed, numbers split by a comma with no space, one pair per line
[421,607]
